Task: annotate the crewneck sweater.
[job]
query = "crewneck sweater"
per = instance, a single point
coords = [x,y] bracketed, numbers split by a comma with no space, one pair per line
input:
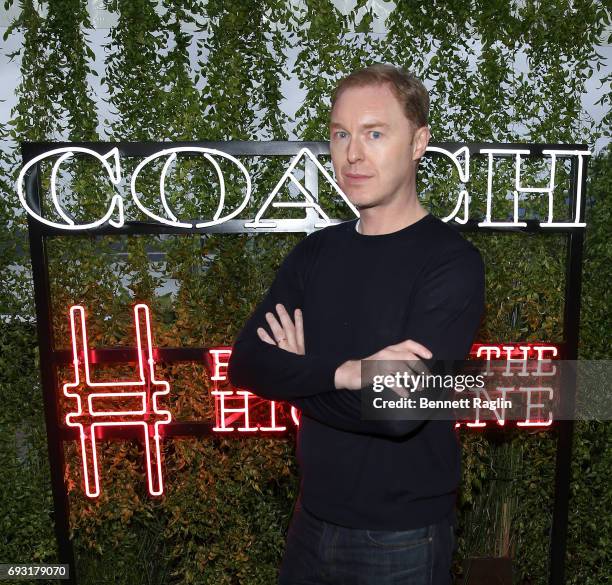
[358,294]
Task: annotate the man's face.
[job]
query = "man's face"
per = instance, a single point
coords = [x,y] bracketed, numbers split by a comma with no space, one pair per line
[374,147]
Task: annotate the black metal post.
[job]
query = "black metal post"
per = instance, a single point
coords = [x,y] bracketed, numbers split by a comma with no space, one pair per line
[565,428]
[48,373]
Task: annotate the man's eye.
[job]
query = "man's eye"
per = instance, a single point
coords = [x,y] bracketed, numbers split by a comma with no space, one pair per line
[340,134]
[375,134]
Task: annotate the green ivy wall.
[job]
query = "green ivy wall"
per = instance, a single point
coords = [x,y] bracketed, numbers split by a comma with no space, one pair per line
[498,71]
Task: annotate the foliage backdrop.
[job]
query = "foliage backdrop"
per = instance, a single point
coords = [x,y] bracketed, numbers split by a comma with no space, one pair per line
[213,70]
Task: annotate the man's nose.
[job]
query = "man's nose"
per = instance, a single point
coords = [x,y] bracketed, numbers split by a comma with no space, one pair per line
[355,150]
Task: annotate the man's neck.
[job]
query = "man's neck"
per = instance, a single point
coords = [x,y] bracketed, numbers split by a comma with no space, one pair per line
[379,220]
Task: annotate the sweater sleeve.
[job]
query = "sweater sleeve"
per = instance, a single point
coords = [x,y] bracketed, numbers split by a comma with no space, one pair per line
[449,305]
[447,309]
[267,370]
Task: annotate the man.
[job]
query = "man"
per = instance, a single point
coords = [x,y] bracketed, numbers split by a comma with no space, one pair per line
[377,497]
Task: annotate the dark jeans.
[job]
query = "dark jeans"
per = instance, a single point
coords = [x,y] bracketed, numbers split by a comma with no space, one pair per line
[320,553]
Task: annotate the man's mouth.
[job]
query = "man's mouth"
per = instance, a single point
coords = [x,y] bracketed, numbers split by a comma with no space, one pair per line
[356,177]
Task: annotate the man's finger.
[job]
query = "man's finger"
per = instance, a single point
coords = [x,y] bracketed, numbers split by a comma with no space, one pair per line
[264,336]
[412,346]
[287,325]
[299,331]
[275,327]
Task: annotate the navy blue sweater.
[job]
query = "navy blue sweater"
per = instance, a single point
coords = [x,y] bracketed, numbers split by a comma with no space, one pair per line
[359,293]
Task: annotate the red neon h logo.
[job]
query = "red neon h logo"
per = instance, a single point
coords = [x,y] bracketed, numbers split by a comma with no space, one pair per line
[142,394]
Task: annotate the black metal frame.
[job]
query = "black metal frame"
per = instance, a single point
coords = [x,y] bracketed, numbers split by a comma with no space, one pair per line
[50,358]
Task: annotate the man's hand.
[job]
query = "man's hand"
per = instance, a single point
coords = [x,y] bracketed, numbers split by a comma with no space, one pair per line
[348,375]
[286,334]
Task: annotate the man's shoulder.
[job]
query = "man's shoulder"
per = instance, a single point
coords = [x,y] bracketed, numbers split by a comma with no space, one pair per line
[453,271]
[450,252]
[446,239]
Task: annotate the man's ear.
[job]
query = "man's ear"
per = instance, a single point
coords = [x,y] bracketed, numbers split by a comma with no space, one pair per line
[420,140]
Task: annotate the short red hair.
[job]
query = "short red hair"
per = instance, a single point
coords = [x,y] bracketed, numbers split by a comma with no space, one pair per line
[407,88]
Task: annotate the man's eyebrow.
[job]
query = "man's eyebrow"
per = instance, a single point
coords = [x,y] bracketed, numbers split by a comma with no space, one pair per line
[373,124]
[376,124]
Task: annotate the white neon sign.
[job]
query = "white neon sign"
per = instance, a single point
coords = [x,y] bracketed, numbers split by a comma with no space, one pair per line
[518,188]
[171,153]
[309,202]
[553,154]
[461,160]
[464,177]
[116,204]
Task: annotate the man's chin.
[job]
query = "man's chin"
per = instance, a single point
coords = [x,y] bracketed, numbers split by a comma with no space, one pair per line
[366,205]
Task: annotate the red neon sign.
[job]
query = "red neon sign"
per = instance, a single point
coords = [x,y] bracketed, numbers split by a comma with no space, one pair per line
[235,410]
[519,355]
[146,413]
[231,405]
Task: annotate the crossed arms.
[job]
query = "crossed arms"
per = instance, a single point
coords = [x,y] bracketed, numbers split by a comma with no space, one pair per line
[276,364]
